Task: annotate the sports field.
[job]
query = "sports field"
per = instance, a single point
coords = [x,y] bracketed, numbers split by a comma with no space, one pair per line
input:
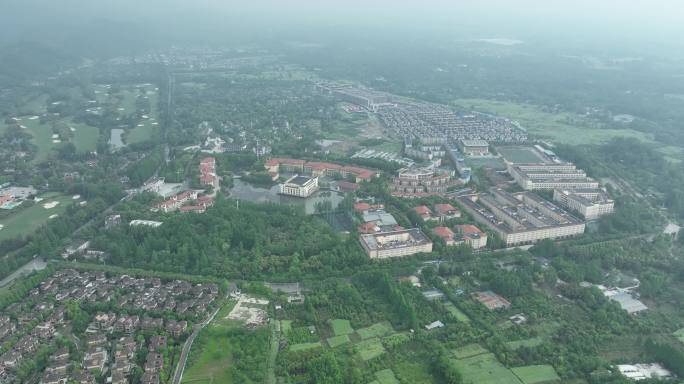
[26,220]
[536,374]
[520,154]
[563,127]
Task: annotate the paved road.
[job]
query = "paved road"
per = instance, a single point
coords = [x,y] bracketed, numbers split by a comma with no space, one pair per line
[180,368]
[33,265]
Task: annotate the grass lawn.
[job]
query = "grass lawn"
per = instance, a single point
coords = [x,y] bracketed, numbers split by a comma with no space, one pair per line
[341,327]
[336,341]
[42,136]
[369,349]
[566,128]
[305,346]
[375,330]
[533,342]
[26,220]
[85,137]
[680,335]
[460,316]
[485,369]
[386,376]
[537,374]
[146,128]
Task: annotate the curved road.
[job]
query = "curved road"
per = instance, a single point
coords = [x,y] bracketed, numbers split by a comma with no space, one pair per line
[180,368]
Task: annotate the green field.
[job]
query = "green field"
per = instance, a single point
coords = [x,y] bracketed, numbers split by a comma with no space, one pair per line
[386,376]
[85,137]
[26,220]
[341,327]
[460,316]
[536,374]
[375,330]
[469,350]
[305,346]
[484,369]
[563,127]
[519,154]
[336,341]
[533,342]
[369,349]
[285,326]
[146,128]
[212,359]
[42,136]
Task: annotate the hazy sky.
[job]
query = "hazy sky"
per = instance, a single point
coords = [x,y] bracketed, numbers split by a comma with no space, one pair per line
[651,21]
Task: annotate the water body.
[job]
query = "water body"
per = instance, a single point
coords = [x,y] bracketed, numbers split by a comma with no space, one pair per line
[115,139]
[245,191]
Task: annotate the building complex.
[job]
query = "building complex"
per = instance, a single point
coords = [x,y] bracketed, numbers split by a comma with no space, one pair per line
[549,176]
[317,169]
[299,186]
[589,203]
[521,218]
[385,245]
[420,182]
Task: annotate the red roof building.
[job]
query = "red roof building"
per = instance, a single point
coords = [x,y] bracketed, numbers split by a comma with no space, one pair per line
[447,211]
[424,212]
[446,234]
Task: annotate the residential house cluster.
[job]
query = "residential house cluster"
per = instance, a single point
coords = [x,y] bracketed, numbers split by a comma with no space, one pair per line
[188,201]
[441,212]
[109,345]
[207,168]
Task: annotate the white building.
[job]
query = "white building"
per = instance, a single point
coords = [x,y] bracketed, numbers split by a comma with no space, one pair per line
[474,147]
[299,186]
[590,203]
[386,245]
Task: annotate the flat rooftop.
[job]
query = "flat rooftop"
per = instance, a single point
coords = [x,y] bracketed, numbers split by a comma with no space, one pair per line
[299,180]
[475,143]
[412,237]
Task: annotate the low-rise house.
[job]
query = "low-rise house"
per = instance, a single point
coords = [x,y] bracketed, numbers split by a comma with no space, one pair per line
[176,328]
[150,323]
[473,236]
[95,359]
[446,212]
[157,342]
[154,362]
[424,212]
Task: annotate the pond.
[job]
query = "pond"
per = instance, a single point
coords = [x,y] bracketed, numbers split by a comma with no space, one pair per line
[115,139]
[245,191]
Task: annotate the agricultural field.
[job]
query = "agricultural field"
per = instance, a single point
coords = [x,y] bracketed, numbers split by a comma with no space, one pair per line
[341,327]
[566,128]
[27,219]
[336,341]
[484,369]
[386,376]
[375,330]
[370,348]
[537,374]
[457,313]
[529,343]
